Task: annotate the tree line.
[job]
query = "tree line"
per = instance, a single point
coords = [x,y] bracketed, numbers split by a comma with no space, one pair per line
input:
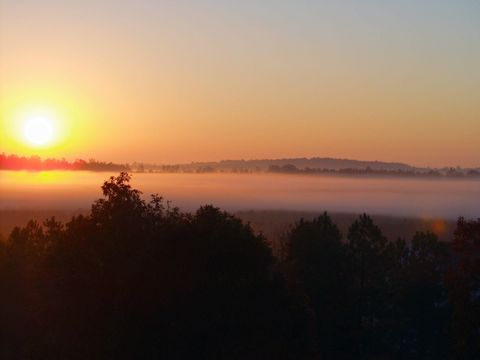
[36,163]
[141,279]
[451,173]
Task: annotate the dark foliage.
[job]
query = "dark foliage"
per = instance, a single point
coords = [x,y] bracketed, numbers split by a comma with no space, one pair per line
[314,264]
[376,299]
[139,279]
[464,289]
[143,280]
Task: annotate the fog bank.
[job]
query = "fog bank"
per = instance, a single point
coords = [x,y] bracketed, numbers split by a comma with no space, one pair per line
[389,196]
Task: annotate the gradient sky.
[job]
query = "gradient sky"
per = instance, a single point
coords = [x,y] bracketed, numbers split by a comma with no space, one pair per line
[175,81]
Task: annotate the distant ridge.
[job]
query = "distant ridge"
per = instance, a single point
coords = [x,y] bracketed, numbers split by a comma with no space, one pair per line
[265,164]
[324,163]
[310,166]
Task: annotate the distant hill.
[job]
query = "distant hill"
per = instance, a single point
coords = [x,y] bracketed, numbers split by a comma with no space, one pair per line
[307,166]
[318,162]
[265,164]
[310,166]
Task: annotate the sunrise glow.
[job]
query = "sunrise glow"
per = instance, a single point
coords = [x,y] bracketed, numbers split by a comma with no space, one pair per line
[250,179]
[39,131]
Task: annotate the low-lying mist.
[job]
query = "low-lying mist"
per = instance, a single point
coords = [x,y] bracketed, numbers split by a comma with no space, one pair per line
[399,197]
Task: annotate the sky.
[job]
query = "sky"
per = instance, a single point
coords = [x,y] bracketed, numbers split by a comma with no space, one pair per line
[180,81]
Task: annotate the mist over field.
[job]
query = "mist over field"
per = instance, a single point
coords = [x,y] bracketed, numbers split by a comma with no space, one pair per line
[271,202]
[391,196]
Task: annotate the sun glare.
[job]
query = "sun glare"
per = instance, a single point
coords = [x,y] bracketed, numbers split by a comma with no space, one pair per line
[39,131]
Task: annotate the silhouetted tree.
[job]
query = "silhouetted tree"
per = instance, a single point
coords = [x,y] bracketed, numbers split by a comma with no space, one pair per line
[369,265]
[137,279]
[464,289]
[420,312]
[316,260]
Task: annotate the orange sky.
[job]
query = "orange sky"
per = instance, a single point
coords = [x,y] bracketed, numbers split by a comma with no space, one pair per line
[179,81]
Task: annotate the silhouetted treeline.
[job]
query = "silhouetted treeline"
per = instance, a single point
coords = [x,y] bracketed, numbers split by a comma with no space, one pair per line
[199,168]
[35,163]
[368,171]
[260,165]
[297,166]
[371,168]
[377,299]
[142,280]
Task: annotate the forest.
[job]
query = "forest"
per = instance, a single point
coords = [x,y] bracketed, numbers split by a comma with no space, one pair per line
[138,279]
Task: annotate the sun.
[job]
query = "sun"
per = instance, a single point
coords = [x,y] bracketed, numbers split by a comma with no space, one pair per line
[39,131]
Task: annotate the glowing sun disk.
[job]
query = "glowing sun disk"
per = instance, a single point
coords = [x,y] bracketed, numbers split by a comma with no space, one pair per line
[38,131]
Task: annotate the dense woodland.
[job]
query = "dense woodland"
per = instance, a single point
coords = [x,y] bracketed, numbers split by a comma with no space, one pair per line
[139,279]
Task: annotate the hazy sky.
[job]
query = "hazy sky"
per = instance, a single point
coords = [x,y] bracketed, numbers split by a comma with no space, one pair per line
[170,81]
